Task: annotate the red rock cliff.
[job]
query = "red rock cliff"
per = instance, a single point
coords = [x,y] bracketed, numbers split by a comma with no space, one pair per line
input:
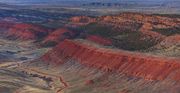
[135,64]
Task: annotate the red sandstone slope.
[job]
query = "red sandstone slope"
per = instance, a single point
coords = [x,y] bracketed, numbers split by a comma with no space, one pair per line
[58,35]
[134,64]
[26,31]
[99,40]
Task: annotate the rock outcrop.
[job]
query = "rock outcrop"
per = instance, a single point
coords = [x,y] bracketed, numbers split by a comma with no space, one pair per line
[57,36]
[134,64]
[26,32]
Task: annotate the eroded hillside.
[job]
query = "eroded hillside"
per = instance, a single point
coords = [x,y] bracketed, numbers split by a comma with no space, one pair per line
[124,53]
[132,31]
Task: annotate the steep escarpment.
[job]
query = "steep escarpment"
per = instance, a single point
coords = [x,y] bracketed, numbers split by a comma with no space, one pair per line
[25,31]
[134,64]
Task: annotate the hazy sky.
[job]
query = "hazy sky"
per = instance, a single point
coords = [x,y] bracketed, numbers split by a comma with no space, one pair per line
[71,1]
[76,0]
